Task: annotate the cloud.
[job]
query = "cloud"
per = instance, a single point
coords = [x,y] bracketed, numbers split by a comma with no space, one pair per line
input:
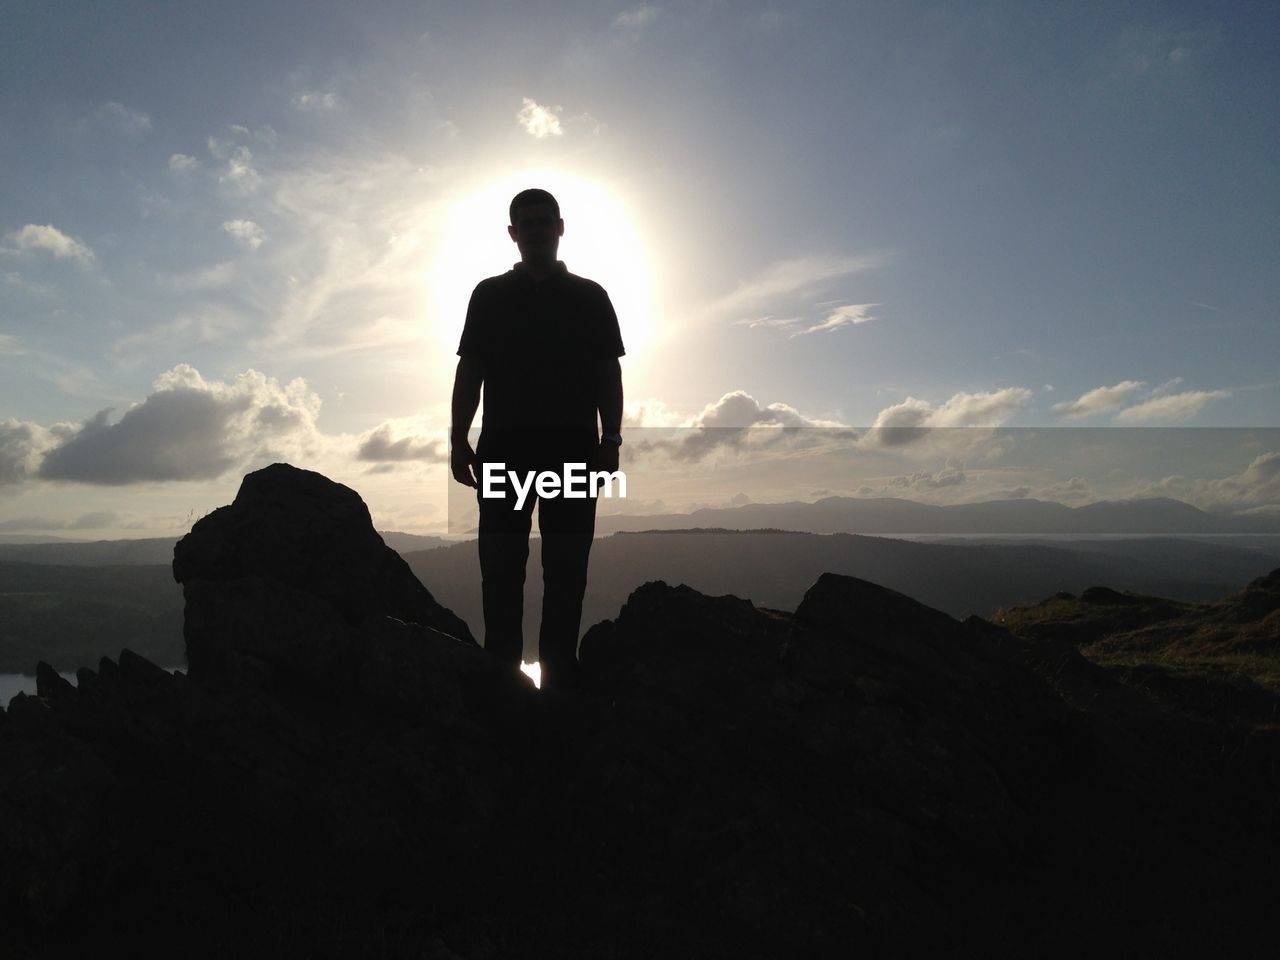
[246,232]
[1160,405]
[637,19]
[212,277]
[980,409]
[313,101]
[350,235]
[1072,491]
[735,419]
[538,121]
[50,239]
[906,422]
[1254,491]
[951,475]
[240,172]
[850,314]
[901,422]
[1171,407]
[769,322]
[9,345]
[1099,400]
[791,285]
[203,324]
[22,444]
[650,412]
[181,163]
[378,446]
[191,429]
[122,118]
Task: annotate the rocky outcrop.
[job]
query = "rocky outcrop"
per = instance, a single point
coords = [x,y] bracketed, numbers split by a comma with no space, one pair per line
[291,582]
[344,773]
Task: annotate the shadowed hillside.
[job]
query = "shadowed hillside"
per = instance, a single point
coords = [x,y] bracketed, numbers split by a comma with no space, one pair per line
[74,615]
[69,615]
[774,568]
[1216,660]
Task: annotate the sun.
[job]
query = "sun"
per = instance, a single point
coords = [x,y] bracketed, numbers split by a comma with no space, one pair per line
[602,241]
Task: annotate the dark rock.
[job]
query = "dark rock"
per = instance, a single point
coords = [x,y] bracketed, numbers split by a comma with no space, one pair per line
[50,684]
[279,584]
[300,529]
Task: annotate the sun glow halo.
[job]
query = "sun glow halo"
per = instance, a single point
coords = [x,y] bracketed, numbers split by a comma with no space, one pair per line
[601,242]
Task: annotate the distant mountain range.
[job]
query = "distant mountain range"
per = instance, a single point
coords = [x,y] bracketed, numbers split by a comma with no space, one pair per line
[884,516]
[888,515]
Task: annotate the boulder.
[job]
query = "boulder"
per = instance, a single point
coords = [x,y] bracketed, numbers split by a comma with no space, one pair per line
[280,583]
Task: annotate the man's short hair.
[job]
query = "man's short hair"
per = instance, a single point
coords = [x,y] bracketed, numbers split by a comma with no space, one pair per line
[530,197]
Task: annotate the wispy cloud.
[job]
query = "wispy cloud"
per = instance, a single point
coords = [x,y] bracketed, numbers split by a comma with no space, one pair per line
[1159,405]
[786,281]
[315,101]
[202,324]
[1099,400]
[1171,407]
[848,315]
[49,239]
[182,163]
[124,119]
[769,323]
[203,278]
[538,121]
[636,19]
[351,245]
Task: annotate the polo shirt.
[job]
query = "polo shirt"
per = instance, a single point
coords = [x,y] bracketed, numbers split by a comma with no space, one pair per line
[540,344]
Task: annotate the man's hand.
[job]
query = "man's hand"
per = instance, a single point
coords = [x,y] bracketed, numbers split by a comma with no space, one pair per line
[606,457]
[464,463]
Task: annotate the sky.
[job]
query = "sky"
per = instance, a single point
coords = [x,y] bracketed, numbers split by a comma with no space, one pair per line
[237,233]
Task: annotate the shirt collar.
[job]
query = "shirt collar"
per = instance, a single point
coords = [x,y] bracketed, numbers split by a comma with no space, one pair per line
[559,270]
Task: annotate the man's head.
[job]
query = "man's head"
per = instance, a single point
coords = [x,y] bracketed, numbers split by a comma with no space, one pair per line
[536,226]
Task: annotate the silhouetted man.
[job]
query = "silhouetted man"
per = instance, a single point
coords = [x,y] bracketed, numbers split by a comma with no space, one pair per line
[545,345]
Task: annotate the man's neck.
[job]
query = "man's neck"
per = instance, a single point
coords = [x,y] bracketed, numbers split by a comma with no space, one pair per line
[539,270]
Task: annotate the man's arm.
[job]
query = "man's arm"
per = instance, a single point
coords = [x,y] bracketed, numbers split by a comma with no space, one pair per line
[466,399]
[609,403]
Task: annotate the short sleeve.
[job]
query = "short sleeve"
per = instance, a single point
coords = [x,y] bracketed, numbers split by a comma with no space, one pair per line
[475,328]
[610,335]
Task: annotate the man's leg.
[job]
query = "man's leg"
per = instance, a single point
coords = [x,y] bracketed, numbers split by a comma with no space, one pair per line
[504,552]
[567,527]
